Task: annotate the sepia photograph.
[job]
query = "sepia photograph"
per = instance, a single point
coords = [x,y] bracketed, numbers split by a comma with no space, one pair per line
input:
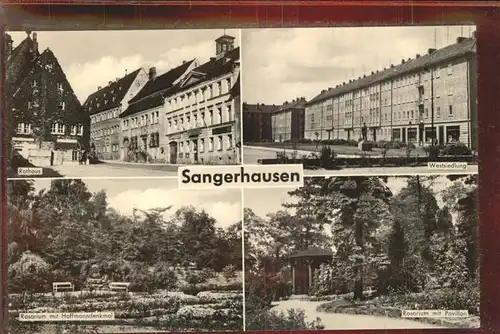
[339,99]
[363,252]
[121,103]
[107,256]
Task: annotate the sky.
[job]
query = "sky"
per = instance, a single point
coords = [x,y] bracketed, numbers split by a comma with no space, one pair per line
[125,194]
[93,58]
[280,65]
[270,200]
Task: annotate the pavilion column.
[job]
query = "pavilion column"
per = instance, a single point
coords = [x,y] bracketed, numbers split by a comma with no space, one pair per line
[310,273]
[293,280]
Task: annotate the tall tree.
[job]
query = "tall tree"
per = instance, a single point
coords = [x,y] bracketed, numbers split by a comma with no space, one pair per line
[356,208]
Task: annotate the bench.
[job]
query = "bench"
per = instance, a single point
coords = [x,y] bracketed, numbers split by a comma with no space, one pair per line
[120,286]
[57,286]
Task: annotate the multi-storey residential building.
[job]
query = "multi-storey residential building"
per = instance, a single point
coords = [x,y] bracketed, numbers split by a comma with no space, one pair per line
[200,113]
[45,123]
[287,121]
[104,107]
[142,130]
[404,102]
[257,122]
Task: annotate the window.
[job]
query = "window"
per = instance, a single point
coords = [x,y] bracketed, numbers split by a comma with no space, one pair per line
[211,145]
[201,147]
[438,111]
[73,130]
[450,108]
[450,69]
[219,143]
[450,90]
[34,84]
[437,74]
[230,142]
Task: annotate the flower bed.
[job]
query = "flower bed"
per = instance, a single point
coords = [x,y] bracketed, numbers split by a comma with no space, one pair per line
[163,310]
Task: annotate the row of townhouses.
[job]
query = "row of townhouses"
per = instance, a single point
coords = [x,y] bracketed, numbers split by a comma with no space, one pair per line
[190,114]
[403,102]
[431,96]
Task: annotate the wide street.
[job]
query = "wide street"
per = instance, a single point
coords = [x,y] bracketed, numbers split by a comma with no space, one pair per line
[115,169]
[252,154]
[340,321]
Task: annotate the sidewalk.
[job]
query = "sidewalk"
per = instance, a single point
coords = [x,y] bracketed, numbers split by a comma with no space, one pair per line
[119,162]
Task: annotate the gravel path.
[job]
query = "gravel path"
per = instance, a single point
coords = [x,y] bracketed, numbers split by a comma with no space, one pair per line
[348,321]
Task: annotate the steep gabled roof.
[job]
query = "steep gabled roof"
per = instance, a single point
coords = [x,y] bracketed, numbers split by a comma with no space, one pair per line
[161,82]
[110,96]
[449,52]
[151,95]
[19,64]
[154,92]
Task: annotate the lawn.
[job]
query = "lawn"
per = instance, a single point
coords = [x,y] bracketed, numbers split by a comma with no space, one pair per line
[339,149]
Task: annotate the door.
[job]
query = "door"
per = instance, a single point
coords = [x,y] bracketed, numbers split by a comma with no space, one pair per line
[441,135]
[375,135]
[195,151]
[173,152]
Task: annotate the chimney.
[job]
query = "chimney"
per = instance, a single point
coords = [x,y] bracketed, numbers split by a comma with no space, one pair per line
[409,59]
[350,80]
[109,83]
[35,41]
[329,88]
[184,61]
[392,65]
[364,75]
[373,73]
[417,55]
[99,87]
[402,61]
[431,51]
[460,39]
[152,73]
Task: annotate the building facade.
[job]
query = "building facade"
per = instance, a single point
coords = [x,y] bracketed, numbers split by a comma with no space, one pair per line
[200,112]
[404,101]
[142,123]
[104,107]
[288,121]
[46,124]
[257,122]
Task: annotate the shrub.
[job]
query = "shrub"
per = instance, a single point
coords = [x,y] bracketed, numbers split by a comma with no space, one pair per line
[164,277]
[195,277]
[269,320]
[456,149]
[327,155]
[29,274]
[193,289]
[352,142]
[229,272]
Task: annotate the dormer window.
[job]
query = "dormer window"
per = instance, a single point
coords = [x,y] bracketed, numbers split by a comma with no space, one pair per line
[59,86]
[34,84]
[61,106]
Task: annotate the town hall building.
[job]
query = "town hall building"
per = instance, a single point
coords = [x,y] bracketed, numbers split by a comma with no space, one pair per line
[46,124]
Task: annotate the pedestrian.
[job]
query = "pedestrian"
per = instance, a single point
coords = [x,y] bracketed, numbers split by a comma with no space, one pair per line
[364,131]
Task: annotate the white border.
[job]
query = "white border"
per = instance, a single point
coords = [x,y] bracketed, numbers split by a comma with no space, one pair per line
[243,256]
[242,162]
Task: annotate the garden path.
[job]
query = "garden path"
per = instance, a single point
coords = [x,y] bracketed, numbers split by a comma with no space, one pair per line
[348,321]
